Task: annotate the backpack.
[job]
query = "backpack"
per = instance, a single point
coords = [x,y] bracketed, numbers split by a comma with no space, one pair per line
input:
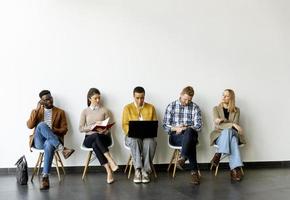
[22,171]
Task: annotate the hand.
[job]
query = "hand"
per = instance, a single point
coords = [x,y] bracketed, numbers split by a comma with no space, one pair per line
[179,129]
[240,130]
[39,105]
[101,130]
[218,120]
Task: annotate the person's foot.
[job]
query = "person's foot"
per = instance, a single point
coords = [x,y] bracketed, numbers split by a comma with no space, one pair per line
[180,163]
[216,159]
[44,183]
[235,175]
[110,178]
[137,176]
[66,152]
[114,167]
[195,179]
[145,177]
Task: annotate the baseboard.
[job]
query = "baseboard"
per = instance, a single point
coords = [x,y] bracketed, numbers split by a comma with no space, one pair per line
[163,167]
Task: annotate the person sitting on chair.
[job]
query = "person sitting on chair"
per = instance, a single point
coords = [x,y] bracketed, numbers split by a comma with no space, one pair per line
[182,121]
[142,150]
[50,126]
[98,139]
[228,134]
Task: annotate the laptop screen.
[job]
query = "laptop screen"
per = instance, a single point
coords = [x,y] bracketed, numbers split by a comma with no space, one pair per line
[143,129]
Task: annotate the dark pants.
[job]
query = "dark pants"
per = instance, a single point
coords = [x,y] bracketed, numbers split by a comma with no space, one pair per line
[188,139]
[99,143]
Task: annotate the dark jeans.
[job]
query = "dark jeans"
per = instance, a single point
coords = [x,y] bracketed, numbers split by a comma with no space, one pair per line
[99,143]
[188,139]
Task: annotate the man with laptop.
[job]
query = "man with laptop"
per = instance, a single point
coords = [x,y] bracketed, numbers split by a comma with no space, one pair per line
[139,123]
[182,121]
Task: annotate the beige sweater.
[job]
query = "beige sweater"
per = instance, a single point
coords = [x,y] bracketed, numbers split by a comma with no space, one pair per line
[90,117]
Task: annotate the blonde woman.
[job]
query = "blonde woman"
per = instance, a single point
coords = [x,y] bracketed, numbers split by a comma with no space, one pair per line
[228,134]
[98,139]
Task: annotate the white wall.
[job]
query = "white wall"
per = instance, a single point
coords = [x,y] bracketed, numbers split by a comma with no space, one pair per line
[68,46]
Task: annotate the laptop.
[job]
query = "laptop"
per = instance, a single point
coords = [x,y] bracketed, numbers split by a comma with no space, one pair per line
[143,129]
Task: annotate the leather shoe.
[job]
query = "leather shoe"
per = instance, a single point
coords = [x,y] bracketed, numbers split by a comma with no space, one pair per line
[67,152]
[44,183]
[235,175]
[195,179]
[216,159]
[180,163]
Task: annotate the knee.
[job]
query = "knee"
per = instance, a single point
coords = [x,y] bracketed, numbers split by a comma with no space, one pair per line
[41,125]
[191,134]
[48,147]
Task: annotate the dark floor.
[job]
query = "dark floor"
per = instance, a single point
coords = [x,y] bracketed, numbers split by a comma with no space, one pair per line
[264,184]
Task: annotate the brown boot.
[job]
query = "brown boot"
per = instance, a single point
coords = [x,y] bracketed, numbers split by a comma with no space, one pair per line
[235,175]
[44,183]
[66,152]
[195,179]
[216,159]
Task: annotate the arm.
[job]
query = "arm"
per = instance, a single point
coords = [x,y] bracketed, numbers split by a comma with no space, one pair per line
[167,120]
[125,120]
[62,129]
[197,119]
[83,127]
[33,119]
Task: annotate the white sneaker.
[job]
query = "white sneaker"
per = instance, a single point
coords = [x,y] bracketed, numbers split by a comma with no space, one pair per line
[138,176]
[145,177]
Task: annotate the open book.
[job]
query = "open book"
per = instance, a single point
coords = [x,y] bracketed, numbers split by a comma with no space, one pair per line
[103,125]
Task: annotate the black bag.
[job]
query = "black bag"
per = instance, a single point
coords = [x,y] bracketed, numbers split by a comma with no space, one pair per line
[22,171]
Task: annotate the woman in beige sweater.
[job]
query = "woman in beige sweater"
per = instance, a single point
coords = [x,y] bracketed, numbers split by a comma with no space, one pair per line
[99,139]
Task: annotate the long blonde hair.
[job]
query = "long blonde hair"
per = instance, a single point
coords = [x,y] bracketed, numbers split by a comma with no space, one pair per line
[232,100]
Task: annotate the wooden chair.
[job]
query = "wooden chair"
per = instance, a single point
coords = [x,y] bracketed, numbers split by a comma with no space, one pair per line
[222,158]
[57,162]
[174,158]
[91,158]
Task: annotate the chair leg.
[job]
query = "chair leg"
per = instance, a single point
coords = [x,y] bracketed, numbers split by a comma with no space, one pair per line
[130,169]
[216,170]
[128,163]
[242,171]
[175,162]
[60,161]
[40,164]
[56,166]
[171,160]
[35,169]
[87,164]
[153,169]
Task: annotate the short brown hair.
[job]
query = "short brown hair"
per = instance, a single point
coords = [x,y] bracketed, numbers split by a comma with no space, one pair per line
[188,90]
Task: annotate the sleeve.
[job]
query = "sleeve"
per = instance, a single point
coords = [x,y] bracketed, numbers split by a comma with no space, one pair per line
[167,120]
[197,119]
[154,116]
[237,117]
[222,125]
[83,127]
[62,130]
[125,120]
[32,121]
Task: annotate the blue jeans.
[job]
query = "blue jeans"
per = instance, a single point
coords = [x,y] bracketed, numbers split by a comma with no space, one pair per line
[45,139]
[188,139]
[228,144]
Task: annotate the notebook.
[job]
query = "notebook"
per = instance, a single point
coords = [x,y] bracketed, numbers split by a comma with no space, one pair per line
[143,129]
